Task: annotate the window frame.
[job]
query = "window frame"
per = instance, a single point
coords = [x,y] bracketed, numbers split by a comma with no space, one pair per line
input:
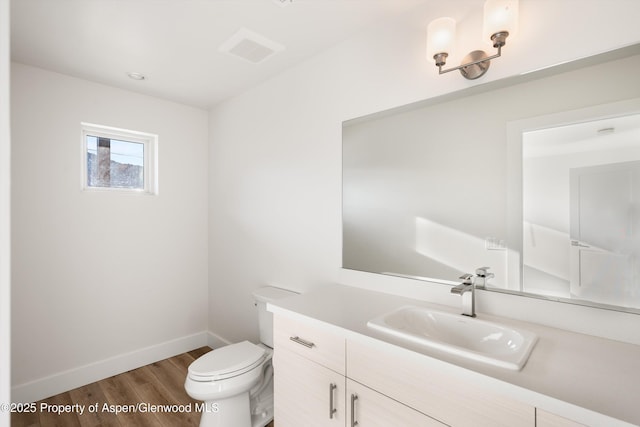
[150,159]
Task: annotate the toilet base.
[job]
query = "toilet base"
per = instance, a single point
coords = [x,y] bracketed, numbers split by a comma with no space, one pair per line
[234,411]
[262,406]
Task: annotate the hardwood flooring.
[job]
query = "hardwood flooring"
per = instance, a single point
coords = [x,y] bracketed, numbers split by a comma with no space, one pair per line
[160,383]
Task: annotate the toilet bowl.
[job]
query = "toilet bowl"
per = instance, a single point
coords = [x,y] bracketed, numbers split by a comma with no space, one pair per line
[227,379]
[235,382]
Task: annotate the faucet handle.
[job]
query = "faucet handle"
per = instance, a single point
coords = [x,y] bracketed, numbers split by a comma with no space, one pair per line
[467,279]
[482,271]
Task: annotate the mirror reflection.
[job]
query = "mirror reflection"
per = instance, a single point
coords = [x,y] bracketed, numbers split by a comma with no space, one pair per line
[581,188]
[440,188]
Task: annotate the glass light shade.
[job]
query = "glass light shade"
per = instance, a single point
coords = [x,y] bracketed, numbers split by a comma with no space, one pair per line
[500,16]
[441,36]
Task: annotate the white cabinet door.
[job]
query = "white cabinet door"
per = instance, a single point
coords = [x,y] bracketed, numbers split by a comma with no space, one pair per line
[546,419]
[368,408]
[306,393]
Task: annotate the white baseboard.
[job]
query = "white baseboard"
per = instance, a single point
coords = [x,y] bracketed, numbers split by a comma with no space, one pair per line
[216,341]
[92,372]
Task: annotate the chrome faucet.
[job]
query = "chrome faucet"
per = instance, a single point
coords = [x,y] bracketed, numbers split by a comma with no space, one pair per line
[467,291]
[482,276]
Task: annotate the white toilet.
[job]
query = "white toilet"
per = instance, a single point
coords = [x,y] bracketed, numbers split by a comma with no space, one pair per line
[236,381]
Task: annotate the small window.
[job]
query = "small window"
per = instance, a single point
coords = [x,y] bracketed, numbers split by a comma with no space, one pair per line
[118,159]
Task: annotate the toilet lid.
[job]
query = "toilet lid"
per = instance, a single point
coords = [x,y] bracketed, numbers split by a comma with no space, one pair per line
[227,362]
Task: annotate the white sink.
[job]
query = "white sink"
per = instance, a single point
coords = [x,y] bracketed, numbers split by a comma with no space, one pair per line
[456,334]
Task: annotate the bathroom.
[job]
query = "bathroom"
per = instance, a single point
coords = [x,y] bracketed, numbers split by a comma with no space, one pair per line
[249,195]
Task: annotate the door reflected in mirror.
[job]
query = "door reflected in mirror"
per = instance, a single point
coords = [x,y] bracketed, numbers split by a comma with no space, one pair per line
[581,194]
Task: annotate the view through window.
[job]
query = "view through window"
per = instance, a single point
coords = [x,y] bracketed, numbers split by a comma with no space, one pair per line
[118,159]
[114,163]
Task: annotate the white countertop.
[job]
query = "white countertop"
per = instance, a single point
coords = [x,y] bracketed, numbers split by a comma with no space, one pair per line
[581,377]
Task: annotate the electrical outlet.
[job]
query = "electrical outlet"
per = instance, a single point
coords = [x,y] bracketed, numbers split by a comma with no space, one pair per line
[495,244]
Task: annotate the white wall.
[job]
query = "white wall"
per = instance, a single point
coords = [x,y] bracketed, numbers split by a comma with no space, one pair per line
[5,220]
[102,282]
[275,155]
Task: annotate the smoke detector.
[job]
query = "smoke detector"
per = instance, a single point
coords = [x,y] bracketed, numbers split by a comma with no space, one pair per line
[250,46]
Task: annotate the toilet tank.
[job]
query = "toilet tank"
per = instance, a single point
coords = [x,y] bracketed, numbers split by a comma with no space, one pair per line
[261,297]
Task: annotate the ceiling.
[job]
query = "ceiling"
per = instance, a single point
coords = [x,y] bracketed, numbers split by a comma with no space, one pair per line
[595,135]
[175,43]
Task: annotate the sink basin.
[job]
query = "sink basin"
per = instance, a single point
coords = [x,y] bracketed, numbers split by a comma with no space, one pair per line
[472,338]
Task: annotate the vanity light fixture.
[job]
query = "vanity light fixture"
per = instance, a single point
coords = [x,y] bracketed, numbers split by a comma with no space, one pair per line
[500,21]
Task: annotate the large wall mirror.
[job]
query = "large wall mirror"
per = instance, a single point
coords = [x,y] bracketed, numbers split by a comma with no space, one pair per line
[535,176]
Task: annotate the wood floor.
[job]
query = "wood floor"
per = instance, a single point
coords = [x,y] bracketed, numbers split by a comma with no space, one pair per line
[161,383]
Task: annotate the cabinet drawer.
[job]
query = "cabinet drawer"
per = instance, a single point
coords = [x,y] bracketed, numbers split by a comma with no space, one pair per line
[310,341]
[408,377]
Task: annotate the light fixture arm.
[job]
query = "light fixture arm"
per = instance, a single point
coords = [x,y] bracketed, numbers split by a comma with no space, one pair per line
[476,63]
[468,64]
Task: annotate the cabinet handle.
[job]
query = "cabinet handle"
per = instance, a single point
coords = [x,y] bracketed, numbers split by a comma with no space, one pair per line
[354,397]
[332,410]
[300,341]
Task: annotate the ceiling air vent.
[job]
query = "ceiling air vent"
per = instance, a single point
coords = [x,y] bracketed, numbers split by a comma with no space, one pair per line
[283,2]
[250,46]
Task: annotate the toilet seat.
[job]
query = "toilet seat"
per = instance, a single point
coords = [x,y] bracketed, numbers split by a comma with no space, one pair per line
[227,362]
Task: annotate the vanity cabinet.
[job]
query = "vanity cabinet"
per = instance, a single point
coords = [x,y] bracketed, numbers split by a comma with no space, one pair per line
[585,379]
[309,380]
[322,379]
[547,419]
